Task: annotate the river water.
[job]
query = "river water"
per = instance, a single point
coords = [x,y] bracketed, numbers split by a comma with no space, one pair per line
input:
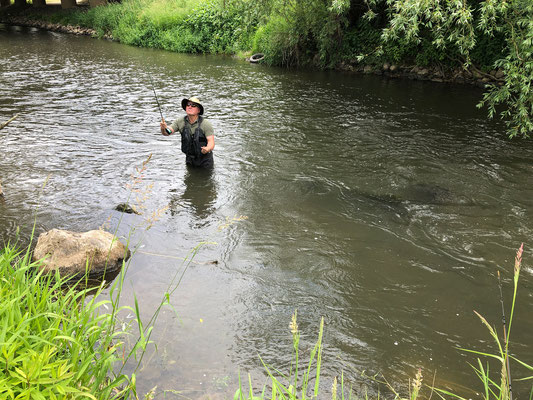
[385,206]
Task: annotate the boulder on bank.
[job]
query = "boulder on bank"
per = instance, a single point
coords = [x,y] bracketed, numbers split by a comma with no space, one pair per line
[72,252]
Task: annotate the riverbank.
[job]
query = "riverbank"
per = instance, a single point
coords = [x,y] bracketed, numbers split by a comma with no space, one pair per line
[53,18]
[388,39]
[38,19]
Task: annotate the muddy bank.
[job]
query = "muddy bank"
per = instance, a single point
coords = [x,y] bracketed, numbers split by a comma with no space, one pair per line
[75,30]
[472,76]
[30,21]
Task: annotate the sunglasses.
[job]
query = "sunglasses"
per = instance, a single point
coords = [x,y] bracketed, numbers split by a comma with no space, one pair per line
[192,105]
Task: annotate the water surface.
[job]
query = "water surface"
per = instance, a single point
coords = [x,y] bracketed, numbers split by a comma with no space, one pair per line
[385,206]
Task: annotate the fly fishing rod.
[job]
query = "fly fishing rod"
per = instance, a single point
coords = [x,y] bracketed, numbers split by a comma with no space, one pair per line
[156,99]
[505,337]
[158,105]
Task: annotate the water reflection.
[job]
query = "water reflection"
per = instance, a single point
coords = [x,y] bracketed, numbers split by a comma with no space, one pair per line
[199,193]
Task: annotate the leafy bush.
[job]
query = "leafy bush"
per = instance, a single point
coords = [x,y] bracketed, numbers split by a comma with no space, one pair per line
[276,42]
[219,29]
[181,40]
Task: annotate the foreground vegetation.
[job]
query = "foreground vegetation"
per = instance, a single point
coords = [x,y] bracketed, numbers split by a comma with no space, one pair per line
[485,37]
[492,369]
[56,341]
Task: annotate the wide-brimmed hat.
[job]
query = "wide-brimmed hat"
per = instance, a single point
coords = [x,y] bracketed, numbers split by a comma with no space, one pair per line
[192,100]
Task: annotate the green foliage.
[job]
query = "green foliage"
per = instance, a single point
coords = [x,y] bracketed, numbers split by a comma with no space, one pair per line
[363,38]
[181,39]
[516,94]
[488,50]
[275,40]
[302,33]
[218,29]
[55,342]
[459,26]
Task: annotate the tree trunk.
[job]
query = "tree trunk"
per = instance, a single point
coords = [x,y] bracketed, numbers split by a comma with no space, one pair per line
[4,3]
[39,3]
[20,3]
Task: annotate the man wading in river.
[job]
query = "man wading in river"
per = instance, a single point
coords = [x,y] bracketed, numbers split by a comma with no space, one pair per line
[197,136]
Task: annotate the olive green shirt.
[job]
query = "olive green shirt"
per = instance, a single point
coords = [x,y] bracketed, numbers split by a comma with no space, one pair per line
[179,124]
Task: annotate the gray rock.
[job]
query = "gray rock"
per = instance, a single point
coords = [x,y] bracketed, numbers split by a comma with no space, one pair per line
[72,252]
[126,208]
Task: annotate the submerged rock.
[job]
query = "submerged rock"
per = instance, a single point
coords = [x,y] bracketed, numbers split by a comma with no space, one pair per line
[126,208]
[72,252]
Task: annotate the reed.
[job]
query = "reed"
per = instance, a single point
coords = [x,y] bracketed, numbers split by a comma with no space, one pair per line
[497,385]
[296,384]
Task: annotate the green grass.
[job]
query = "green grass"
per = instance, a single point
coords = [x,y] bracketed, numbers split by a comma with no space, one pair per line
[56,341]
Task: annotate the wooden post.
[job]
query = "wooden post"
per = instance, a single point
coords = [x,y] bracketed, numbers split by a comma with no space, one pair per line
[68,3]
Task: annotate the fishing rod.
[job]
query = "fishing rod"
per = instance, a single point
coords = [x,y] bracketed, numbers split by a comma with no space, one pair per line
[505,338]
[156,99]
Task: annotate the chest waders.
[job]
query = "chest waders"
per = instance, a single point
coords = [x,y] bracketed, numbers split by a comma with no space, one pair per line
[192,143]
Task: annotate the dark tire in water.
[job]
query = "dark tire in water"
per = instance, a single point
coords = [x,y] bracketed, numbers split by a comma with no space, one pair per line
[257,58]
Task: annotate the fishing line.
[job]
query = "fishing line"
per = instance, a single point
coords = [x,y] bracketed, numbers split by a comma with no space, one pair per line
[177,258]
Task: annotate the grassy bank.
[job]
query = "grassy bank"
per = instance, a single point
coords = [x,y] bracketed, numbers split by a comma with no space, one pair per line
[185,26]
[56,341]
[475,40]
[288,33]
